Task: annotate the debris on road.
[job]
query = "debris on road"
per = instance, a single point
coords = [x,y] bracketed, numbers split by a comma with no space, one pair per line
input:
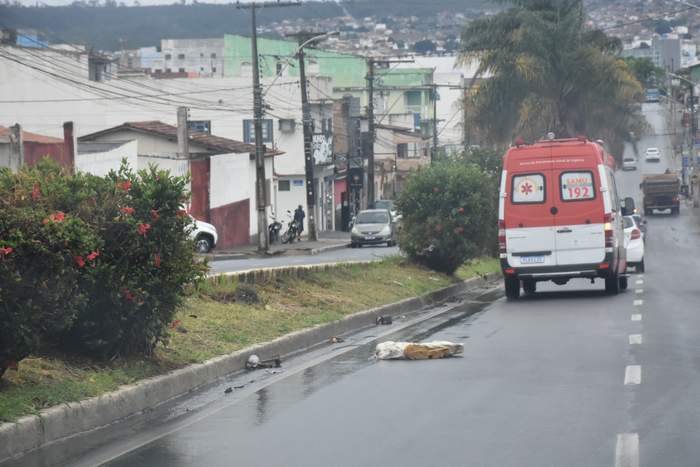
[254,362]
[228,390]
[391,350]
[336,340]
[384,320]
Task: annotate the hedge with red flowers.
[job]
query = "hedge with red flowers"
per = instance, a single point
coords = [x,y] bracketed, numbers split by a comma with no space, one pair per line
[96,265]
[449,212]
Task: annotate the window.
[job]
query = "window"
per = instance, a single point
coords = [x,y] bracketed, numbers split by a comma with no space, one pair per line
[577,186]
[168,56]
[201,68]
[213,69]
[326,126]
[201,54]
[413,98]
[249,131]
[402,150]
[213,55]
[181,70]
[283,185]
[168,70]
[528,188]
[181,56]
[369,217]
[158,71]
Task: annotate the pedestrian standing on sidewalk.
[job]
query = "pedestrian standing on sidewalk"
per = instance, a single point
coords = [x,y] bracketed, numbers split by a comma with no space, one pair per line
[299,216]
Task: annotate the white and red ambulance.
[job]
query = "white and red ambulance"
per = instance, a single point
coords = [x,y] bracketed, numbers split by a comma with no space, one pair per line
[559,216]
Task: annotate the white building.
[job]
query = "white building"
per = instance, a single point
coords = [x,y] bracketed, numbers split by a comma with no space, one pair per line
[196,57]
[41,89]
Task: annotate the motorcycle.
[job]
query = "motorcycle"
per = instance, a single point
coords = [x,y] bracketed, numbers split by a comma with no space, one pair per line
[292,232]
[274,231]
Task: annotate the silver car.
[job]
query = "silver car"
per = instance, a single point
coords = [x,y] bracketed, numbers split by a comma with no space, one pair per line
[373,227]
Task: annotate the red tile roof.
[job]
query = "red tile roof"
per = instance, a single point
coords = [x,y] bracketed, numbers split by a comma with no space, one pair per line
[31,137]
[212,143]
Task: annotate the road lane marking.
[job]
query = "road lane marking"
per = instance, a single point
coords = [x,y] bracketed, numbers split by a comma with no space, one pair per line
[638,302]
[639,291]
[633,375]
[639,282]
[627,450]
[635,339]
[636,317]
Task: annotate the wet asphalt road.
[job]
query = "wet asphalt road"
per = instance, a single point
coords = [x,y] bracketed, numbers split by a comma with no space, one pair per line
[542,382]
[366,253]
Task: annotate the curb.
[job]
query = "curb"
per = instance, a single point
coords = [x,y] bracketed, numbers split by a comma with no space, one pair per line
[63,432]
[288,252]
[257,274]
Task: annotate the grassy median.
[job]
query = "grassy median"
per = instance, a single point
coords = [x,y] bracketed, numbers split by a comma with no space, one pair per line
[221,317]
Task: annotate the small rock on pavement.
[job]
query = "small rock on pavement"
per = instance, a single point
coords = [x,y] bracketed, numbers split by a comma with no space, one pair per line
[228,390]
[384,320]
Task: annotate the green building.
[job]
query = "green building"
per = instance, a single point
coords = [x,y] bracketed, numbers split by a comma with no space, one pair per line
[402,94]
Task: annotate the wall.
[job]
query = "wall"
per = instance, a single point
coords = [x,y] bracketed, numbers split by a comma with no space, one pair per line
[34,152]
[197,56]
[230,198]
[345,69]
[100,163]
[290,200]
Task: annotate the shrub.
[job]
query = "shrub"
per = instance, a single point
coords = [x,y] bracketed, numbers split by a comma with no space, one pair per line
[39,277]
[147,259]
[449,214]
[97,265]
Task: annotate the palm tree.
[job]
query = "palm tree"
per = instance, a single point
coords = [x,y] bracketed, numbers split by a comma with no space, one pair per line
[548,71]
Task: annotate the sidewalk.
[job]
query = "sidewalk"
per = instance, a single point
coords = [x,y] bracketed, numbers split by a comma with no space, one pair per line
[327,241]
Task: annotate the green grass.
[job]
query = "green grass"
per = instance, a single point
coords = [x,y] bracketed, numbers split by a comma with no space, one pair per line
[217,325]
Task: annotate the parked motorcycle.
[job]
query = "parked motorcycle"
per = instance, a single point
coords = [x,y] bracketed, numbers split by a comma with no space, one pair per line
[274,231]
[292,232]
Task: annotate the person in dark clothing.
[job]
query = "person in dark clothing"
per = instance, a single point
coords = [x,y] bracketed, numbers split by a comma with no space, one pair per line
[299,216]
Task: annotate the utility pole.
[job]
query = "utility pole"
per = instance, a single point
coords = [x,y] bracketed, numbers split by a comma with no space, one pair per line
[370,122]
[304,38]
[260,181]
[371,62]
[16,147]
[433,153]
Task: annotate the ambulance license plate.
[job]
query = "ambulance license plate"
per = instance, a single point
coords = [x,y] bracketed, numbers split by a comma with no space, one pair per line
[531,259]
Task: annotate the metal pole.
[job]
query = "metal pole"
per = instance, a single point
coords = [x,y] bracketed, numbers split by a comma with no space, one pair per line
[308,143]
[370,118]
[433,153]
[260,180]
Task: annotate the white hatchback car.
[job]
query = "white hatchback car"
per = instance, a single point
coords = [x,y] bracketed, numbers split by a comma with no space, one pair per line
[653,155]
[629,163]
[634,244]
[204,235]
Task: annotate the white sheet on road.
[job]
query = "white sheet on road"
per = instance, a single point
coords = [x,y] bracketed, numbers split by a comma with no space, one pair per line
[391,350]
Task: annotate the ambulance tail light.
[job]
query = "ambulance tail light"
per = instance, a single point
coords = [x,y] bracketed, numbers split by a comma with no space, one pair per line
[502,236]
[608,226]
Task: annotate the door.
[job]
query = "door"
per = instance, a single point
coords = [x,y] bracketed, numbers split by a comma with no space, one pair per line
[529,221]
[580,216]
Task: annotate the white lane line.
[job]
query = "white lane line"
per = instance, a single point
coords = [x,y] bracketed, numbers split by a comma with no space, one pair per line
[627,450]
[635,339]
[633,375]
[639,291]
[638,302]
[636,317]
[639,282]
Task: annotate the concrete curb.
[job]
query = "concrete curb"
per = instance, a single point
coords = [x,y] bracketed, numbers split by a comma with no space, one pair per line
[257,274]
[60,433]
[213,257]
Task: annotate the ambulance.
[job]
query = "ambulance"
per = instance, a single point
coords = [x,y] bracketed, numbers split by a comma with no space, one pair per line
[559,216]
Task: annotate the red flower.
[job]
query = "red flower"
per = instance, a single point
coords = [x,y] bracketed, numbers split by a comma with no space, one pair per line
[181,213]
[460,210]
[79,261]
[45,221]
[127,210]
[143,228]
[126,293]
[154,214]
[6,251]
[58,216]
[93,255]
[436,189]
[156,260]
[36,192]
[124,186]
[459,230]
[175,324]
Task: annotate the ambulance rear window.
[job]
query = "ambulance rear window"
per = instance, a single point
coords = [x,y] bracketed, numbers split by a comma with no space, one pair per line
[577,186]
[528,189]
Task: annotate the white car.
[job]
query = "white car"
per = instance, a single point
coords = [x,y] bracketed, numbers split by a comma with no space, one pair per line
[653,155]
[634,244]
[204,236]
[629,163]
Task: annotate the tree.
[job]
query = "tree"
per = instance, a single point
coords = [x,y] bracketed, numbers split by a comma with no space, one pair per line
[424,47]
[644,70]
[547,71]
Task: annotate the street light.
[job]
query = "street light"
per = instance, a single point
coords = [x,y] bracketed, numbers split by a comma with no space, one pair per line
[306,38]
